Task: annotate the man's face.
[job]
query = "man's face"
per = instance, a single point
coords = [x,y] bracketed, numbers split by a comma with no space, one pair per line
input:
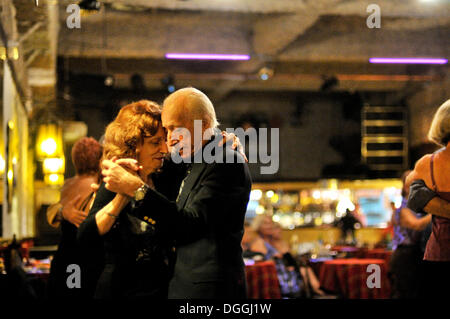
[180,130]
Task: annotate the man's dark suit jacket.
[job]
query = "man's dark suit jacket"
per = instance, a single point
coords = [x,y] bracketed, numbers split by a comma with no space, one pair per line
[207,224]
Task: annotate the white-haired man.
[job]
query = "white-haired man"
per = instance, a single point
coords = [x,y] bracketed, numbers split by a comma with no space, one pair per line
[207,218]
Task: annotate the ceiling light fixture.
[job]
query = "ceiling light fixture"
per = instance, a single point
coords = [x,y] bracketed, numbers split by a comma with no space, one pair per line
[168,83]
[329,83]
[409,60]
[89,5]
[109,80]
[200,56]
[265,73]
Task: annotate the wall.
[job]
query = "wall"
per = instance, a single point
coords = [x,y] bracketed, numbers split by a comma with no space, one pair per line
[370,236]
[422,106]
[306,125]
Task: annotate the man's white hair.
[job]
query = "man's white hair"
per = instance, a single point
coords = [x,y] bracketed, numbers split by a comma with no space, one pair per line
[194,104]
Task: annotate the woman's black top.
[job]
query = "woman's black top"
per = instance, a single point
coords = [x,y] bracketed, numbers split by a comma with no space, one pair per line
[138,253]
[69,253]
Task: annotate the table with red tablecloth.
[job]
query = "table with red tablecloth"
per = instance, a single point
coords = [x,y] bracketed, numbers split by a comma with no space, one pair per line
[345,249]
[317,263]
[262,281]
[348,277]
[377,253]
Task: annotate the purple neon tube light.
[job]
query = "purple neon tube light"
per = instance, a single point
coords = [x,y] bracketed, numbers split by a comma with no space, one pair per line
[199,56]
[408,60]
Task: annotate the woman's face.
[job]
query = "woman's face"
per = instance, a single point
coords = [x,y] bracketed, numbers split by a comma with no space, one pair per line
[276,232]
[266,227]
[151,153]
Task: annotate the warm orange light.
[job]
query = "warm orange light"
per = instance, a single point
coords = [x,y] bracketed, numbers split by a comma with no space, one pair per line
[10,175]
[49,141]
[2,165]
[54,165]
[54,179]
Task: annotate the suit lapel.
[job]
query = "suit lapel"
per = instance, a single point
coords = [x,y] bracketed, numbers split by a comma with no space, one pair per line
[190,182]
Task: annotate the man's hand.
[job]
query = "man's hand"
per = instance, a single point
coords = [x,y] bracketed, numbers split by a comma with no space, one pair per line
[228,137]
[71,213]
[120,180]
[95,187]
[128,163]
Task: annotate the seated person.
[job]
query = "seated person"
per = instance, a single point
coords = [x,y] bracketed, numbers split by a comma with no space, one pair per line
[311,283]
[290,275]
[252,244]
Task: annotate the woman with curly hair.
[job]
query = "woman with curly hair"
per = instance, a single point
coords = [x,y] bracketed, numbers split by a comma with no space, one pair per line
[137,254]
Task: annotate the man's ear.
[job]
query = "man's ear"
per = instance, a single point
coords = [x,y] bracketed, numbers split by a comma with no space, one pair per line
[138,151]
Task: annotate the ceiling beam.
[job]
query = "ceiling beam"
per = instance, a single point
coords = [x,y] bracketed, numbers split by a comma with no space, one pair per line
[30,31]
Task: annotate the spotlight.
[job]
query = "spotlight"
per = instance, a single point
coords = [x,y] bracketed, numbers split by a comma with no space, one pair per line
[89,5]
[168,83]
[329,83]
[265,73]
[109,80]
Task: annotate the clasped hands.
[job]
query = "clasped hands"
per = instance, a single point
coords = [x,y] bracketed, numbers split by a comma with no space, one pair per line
[121,176]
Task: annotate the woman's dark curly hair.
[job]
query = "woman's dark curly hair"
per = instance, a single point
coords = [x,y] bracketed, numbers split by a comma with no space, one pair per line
[128,129]
[86,155]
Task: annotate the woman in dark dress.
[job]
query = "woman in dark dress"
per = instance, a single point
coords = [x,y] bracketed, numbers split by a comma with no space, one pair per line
[137,252]
[68,213]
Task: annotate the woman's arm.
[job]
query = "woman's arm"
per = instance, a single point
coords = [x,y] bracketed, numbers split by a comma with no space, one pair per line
[106,217]
[409,220]
[439,207]
[421,198]
[258,246]
[105,202]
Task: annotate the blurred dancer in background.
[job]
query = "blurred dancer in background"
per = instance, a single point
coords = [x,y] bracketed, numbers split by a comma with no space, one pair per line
[69,213]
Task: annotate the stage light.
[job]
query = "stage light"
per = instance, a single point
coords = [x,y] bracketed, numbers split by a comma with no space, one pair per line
[54,179]
[168,83]
[2,165]
[48,146]
[318,221]
[316,194]
[265,73]
[109,80]
[49,141]
[255,194]
[260,210]
[200,56]
[274,199]
[54,165]
[409,60]
[269,194]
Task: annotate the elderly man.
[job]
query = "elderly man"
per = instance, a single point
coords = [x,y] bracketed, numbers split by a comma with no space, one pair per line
[207,218]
